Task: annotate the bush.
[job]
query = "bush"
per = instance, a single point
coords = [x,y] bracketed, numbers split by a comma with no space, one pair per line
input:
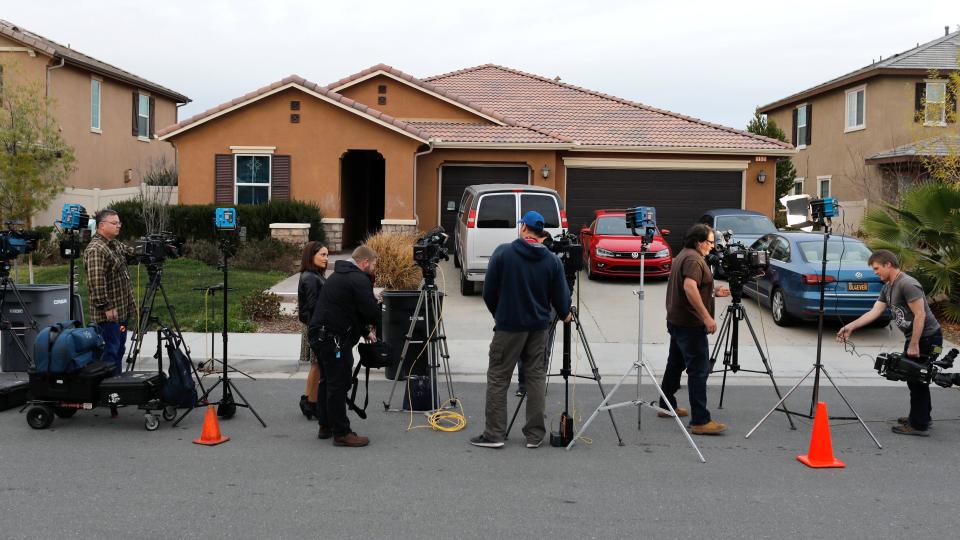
[267,254]
[261,305]
[395,267]
[48,248]
[205,251]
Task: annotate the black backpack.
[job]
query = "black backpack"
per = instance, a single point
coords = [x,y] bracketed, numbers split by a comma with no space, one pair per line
[374,355]
[179,390]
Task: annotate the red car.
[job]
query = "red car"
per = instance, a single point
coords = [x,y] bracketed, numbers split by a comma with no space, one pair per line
[611,249]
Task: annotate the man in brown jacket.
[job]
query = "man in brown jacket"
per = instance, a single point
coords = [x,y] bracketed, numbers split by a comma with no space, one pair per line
[109,286]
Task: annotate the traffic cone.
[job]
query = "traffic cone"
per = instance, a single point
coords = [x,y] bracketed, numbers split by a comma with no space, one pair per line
[821,447]
[211,435]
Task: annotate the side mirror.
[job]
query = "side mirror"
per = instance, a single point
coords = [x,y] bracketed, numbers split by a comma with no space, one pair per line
[586,231]
[664,232]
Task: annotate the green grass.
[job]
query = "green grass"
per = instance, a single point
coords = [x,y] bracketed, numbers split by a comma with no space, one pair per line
[180,276]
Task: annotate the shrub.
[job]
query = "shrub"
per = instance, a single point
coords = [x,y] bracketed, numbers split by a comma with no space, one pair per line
[261,305]
[48,248]
[267,254]
[395,267]
[205,251]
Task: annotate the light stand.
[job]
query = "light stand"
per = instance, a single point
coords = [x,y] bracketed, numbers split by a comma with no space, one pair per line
[209,365]
[822,218]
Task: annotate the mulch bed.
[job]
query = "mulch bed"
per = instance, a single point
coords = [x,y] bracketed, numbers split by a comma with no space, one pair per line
[285,324]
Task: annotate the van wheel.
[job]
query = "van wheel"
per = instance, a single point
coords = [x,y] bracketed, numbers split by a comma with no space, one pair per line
[456,260]
[778,307]
[466,286]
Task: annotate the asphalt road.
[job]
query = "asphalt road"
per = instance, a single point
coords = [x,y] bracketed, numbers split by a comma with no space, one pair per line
[96,477]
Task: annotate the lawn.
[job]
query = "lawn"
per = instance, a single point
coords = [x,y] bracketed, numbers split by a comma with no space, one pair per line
[180,277]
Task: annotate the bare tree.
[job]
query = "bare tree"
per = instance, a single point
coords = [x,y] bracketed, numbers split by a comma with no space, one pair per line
[156,191]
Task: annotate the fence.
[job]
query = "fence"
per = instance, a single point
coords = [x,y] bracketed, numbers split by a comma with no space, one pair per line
[93,200]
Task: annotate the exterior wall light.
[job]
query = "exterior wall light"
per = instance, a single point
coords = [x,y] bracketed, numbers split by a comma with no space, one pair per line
[762,177]
[545,172]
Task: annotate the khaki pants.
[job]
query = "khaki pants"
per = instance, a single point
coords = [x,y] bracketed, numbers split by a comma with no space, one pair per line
[505,349]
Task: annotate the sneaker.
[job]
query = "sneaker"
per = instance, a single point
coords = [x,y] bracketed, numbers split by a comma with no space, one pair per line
[710,428]
[324,433]
[534,444]
[484,442]
[909,430]
[351,440]
[681,412]
[905,421]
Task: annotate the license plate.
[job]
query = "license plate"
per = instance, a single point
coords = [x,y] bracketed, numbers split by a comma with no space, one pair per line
[857,287]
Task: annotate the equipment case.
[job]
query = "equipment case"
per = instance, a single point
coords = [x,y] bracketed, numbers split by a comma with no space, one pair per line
[13,393]
[132,388]
[79,386]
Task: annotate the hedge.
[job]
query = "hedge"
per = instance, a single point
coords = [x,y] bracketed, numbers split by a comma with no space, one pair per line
[195,221]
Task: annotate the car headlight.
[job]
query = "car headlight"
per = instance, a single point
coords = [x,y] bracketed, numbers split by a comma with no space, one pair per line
[604,253]
[661,254]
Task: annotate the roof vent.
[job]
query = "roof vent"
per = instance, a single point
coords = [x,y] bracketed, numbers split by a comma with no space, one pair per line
[946,30]
[557,78]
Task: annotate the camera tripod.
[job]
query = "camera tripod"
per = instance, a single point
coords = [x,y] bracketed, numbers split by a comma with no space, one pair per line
[7,284]
[729,337]
[435,345]
[818,366]
[566,372]
[227,406]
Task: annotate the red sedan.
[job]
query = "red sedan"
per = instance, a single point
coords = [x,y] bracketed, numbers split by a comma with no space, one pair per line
[611,249]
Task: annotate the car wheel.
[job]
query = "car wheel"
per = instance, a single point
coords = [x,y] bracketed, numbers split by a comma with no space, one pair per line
[466,286]
[778,306]
[591,275]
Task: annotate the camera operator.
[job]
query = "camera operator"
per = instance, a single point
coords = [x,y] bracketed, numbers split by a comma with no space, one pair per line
[911,313]
[523,281]
[690,308]
[109,285]
[346,311]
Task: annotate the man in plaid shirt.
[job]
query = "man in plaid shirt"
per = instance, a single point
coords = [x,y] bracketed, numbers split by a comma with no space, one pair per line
[109,286]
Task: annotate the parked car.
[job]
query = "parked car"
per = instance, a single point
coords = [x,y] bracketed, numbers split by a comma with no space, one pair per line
[611,249]
[747,227]
[790,287]
[489,215]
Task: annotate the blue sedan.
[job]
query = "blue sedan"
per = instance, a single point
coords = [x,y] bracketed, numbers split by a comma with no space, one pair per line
[791,286]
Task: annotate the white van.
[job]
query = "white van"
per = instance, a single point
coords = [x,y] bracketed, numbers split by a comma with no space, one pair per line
[488,216]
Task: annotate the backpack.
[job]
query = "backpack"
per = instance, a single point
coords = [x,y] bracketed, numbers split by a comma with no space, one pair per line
[179,389]
[374,355]
[66,347]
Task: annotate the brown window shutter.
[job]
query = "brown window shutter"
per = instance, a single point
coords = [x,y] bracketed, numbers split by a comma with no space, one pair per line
[280,178]
[918,98]
[153,113]
[223,179]
[793,138]
[809,125]
[136,112]
[951,105]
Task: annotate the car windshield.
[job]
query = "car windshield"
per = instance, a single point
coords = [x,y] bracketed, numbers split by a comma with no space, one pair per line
[613,226]
[844,251]
[745,224]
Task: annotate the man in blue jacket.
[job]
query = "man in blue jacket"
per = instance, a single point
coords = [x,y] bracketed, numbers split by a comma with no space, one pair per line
[524,281]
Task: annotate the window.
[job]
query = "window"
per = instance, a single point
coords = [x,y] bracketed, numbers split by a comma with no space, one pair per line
[780,249]
[797,187]
[545,204]
[842,250]
[935,104]
[745,224]
[824,182]
[253,179]
[855,108]
[497,212]
[143,117]
[802,126]
[95,105]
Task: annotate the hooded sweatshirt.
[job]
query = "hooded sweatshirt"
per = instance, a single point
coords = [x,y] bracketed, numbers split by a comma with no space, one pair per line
[522,283]
[346,304]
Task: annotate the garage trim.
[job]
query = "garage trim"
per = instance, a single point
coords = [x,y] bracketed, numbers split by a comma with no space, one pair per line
[662,164]
[492,165]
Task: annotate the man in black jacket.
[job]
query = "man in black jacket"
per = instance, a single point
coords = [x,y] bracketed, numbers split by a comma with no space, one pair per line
[524,281]
[346,311]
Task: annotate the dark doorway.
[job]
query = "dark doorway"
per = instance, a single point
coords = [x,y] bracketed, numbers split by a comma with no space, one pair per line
[362,188]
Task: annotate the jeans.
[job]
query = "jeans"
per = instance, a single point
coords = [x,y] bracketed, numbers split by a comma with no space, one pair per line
[688,350]
[115,344]
[505,349]
[920,405]
[334,386]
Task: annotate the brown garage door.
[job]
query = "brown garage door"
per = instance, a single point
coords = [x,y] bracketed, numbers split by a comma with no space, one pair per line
[455,178]
[680,197]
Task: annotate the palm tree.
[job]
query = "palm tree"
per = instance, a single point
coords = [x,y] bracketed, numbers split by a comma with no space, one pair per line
[924,233]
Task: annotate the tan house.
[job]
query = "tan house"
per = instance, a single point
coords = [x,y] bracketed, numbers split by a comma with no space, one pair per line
[109,116]
[849,131]
[384,149]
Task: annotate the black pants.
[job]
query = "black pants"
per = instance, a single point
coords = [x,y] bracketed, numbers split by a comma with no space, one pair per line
[920,405]
[690,351]
[336,383]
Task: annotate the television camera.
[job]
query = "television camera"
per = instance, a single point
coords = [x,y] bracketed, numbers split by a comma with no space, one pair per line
[740,263]
[896,366]
[154,249]
[431,248]
[15,242]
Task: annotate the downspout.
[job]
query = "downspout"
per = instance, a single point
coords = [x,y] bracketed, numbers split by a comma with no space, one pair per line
[51,68]
[415,156]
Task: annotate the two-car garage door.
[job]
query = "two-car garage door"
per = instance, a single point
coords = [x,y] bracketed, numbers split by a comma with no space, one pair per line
[679,196]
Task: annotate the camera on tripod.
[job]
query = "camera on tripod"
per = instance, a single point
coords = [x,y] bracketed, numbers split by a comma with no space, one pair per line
[897,366]
[15,242]
[567,247]
[154,249]
[431,248]
[737,260]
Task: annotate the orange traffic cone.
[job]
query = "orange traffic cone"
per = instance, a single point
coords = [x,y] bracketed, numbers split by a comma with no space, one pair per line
[821,447]
[211,430]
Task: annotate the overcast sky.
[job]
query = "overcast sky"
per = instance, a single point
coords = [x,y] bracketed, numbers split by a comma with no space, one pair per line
[708,59]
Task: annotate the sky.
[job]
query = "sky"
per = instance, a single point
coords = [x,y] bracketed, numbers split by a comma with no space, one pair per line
[714,60]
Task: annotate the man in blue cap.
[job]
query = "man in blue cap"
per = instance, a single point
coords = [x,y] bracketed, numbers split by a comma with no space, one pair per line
[523,284]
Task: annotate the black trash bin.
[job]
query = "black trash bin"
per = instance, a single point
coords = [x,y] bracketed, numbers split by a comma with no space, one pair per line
[398,308]
[47,304]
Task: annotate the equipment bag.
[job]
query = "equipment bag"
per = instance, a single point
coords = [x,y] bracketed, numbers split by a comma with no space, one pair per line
[179,389]
[66,347]
[374,355]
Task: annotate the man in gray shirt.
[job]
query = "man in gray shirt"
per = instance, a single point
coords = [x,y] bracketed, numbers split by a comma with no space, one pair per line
[912,315]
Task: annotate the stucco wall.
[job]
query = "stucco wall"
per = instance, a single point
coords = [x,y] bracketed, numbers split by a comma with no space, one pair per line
[406,102]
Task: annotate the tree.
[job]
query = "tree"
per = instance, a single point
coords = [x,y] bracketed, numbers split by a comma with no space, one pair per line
[786,173]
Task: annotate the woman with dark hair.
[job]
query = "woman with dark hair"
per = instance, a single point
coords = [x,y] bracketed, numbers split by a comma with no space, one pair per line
[313,266]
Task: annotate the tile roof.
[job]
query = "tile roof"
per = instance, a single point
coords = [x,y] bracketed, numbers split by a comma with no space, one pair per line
[590,117]
[939,54]
[464,132]
[71,56]
[942,146]
[369,112]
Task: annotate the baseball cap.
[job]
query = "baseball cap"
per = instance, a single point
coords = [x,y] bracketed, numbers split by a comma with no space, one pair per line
[533,220]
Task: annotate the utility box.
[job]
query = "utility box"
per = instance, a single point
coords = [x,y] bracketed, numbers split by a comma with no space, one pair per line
[46,304]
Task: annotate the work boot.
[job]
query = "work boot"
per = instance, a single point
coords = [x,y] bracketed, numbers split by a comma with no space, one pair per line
[308,409]
[710,428]
[350,439]
[681,412]
[909,430]
[905,421]
[324,433]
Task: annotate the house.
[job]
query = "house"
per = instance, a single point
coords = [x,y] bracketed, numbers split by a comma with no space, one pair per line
[850,132]
[108,115]
[384,149]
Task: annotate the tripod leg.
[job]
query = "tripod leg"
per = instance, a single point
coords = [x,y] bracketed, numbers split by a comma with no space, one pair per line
[779,403]
[725,337]
[854,411]
[178,335]
[406,347]
[603,404]
[676,416]
[595,371]
[514,418]
[16,339]
[245,403]
[766,365]
[200,402]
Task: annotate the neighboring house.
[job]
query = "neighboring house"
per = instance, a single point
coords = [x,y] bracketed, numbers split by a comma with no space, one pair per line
[383,149]
[109,116]
[849,130]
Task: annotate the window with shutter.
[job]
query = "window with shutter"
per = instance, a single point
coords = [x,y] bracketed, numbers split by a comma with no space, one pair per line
[809,124]
[253,174]
[800,134]
[935,103]
[223,179]
[143,116]
[280,178]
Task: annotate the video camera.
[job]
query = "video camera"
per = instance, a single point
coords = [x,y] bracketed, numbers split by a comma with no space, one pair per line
[431,248]
[897,366]
[739,262]
[15,242]
[154,249]
[567,247]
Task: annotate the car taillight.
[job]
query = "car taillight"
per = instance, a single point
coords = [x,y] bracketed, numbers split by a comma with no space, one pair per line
[563,220]
[814,279]
[472,219]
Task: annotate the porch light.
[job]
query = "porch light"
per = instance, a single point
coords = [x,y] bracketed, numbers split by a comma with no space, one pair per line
[762,177]
[545,172]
